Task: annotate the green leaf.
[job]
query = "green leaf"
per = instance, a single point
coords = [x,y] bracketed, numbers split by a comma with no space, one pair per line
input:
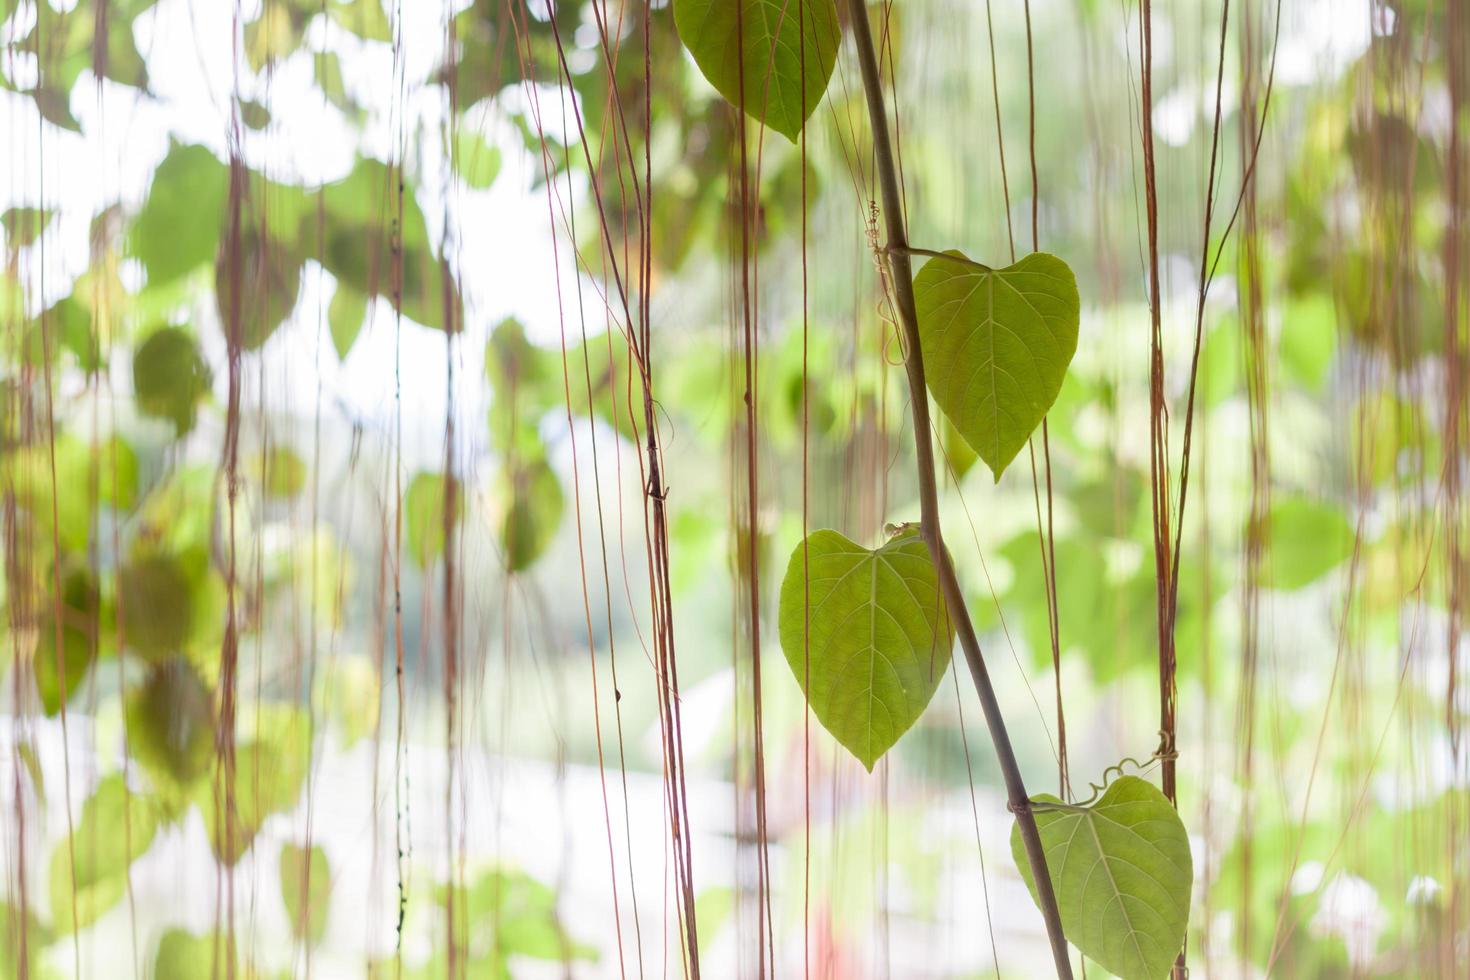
[997,343]
[267,274]
[477,161]
[788,52]
[377,243]
[365,18]
[958,454]
[505,913]
[272,36]
[17,959]
[86,476]
[270,771]
[182,955]
[533,514]
[345,315]
[170,723]
[54,105]
[282,473]
[254,115]
[67,326]
[350,691]
[1309,339]
[79,610]
[525,381]
[1122,872]
[24,225]
[306,890]
[157,595]
[327,70]
[115,828]
[179,227]
[170,377]
[713,909]
[423,516]
[1306,540]
[880,637]
[1221,360]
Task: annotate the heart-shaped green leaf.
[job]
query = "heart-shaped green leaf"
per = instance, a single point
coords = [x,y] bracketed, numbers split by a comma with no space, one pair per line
[789,49]
[1122,873]
[878,636]
[997,343]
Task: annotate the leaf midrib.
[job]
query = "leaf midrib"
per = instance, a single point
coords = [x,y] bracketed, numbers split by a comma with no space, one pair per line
[1102,859]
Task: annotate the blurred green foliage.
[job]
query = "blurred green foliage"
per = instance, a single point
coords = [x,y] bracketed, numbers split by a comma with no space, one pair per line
[114,404]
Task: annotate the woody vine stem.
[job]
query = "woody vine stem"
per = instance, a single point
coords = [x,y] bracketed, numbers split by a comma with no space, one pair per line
[897,254]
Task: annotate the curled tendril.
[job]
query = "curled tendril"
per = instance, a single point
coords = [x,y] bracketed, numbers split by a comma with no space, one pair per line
[1165,752]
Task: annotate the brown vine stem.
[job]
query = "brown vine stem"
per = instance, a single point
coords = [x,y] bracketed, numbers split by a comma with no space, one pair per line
[898,252]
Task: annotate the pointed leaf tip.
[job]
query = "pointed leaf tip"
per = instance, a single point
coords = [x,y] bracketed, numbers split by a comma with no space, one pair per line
[877,633]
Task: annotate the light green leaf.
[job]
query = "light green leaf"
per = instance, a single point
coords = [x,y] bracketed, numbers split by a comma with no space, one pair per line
[997,343]
[876,631]
[1122,872]
[269,774]
[88,475]
[272,36]
[324,574]
[365,18]
[1306,540]
[959,456]
[350,691]
[1309,339]
[345,315]
[713,910]
[306,890]
[179,226]
[282,473]
[789,50]
[115,828]
[506,913]
[423,515]
[182,955]
[476,161]
[23,940]
[327,70]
